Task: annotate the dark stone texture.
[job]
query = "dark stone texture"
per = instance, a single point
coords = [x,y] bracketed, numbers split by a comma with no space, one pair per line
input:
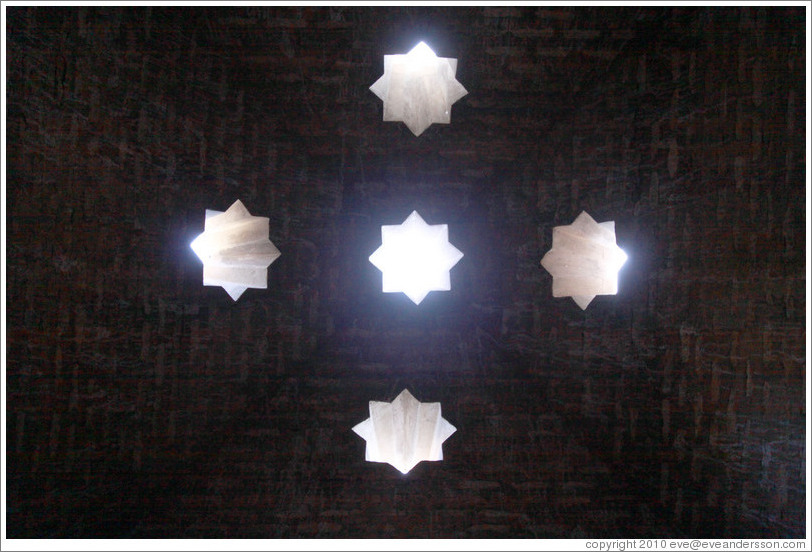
[141,404]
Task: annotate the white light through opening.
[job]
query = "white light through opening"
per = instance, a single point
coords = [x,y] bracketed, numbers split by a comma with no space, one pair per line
[404,432]
[415,258]
[235,250]
[418,88]
[584,260]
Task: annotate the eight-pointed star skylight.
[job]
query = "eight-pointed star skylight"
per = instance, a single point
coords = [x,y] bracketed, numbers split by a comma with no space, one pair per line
[404,432]
[584,260]
[418,88]
[415,258]
[235,250]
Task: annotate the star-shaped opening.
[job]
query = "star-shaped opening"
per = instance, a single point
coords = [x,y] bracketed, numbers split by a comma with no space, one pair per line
[235,250]
[404,432]
[418,88]
[584,260]
[415,258]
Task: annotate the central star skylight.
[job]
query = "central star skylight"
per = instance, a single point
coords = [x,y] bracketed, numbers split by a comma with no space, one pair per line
[415,258]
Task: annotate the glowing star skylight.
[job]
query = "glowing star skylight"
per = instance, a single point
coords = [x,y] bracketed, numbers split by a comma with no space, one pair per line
[415,258]
[584,260]
[235,250]
[418,88]
[404,432]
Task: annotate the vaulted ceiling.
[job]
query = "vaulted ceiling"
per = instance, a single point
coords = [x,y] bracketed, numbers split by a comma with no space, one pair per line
[142,404]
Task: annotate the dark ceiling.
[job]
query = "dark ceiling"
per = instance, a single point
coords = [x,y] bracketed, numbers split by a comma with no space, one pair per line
[142,404]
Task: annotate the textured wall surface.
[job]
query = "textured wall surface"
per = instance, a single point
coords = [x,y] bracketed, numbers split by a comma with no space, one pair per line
[141,404]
